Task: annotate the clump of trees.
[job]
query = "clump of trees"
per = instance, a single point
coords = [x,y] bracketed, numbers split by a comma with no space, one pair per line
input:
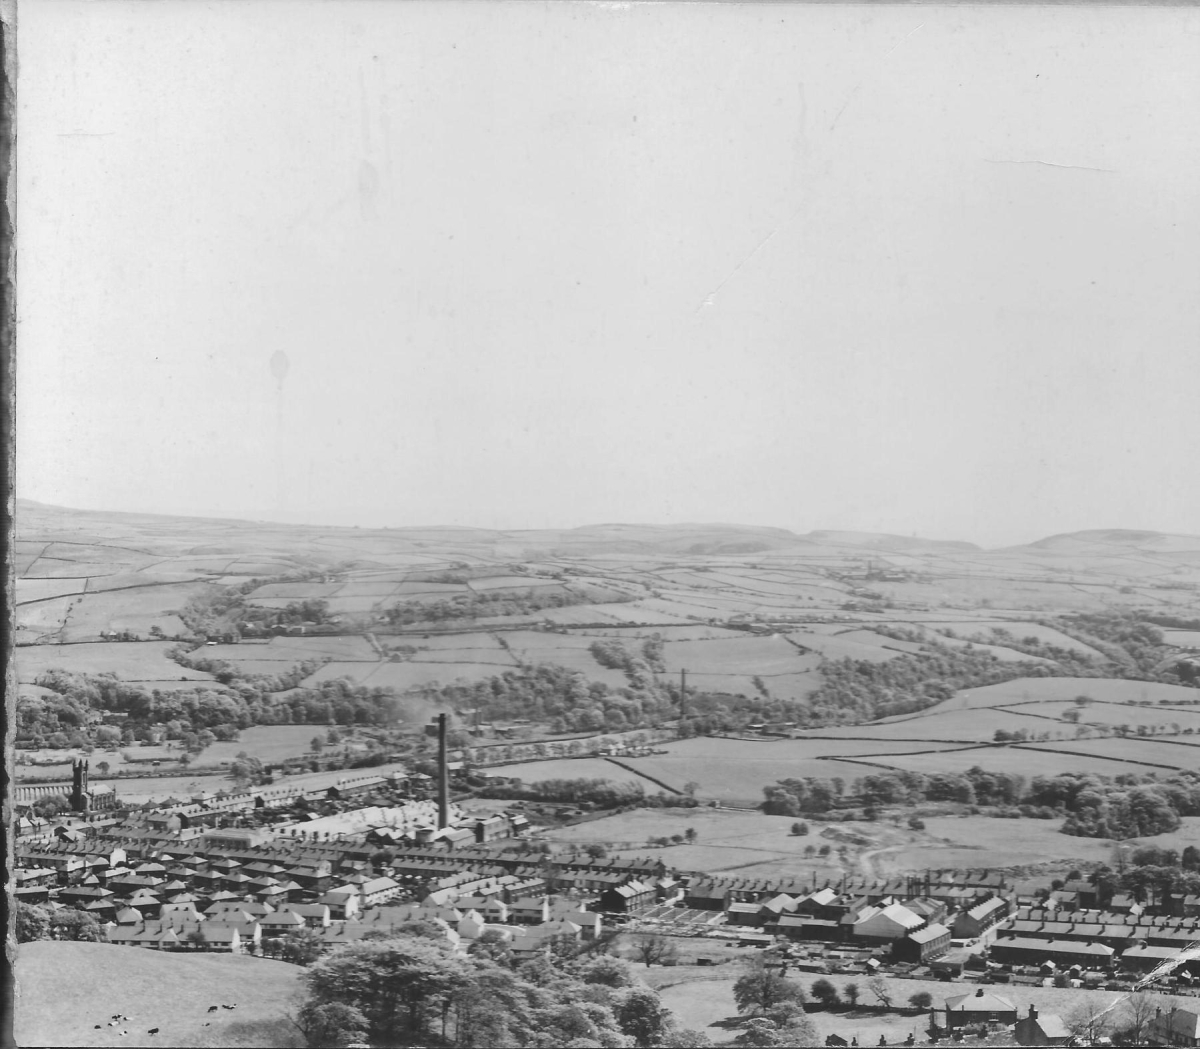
[32,922]
[602,793]
[409,989]
[481,604]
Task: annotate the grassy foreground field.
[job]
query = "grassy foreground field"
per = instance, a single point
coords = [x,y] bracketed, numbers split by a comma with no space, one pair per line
[64,989]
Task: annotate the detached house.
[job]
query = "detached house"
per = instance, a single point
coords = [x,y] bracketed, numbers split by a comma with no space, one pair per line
[965,1009]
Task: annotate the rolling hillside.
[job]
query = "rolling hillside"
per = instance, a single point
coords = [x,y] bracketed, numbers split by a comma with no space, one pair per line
[64,989]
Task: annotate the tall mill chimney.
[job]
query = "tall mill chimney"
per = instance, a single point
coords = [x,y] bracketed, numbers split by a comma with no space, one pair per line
[443,777]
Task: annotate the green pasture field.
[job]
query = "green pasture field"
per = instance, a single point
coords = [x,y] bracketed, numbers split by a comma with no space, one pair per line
[800,588]
[713,602]
[41,619]
[513,582]
[129,660]
[357,607]
[1025,761]
[969,726]
[155,575]
[437,642]
[43,589]
[216,565]
[82,550]
[753,845]
[357,672]
[696,632]
[570,768]
[737,655]
[1018,629]
[1183,754]
[450,656]
[53,568]
[1006,655]
[789,686]
[268,743]
[736,771]
[418,588]
[64,989]
[974,842]
[376,588]
[401,676]
[348,647]
[135,610]
[308,589]
[834,646]
[1040,689]
[1133,714]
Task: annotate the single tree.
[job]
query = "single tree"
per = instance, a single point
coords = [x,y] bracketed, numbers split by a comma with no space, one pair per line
[759,990]
[643,1017]
[920,1000]
[1089,1021]
[852,992]
[1138,1011]
[878,986]
[825,993]
[651,949]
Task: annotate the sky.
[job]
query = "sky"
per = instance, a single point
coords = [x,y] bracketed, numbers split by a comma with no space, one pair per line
[917,269]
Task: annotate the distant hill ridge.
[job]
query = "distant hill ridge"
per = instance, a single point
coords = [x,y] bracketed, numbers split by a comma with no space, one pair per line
[700,538]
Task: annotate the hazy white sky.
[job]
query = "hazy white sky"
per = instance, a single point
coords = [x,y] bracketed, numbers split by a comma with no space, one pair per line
[911,269]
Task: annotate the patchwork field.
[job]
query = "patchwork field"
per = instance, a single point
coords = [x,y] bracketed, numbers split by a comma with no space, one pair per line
[972,842]
[1030,690]
[726,841]
[1168,754]
[129,660]
[1023,761]
[736,771]
[570,768]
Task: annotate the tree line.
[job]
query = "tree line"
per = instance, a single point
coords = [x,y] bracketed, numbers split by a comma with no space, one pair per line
[1126,806]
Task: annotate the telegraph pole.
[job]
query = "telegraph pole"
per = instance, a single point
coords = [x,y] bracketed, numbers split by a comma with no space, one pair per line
[682,698]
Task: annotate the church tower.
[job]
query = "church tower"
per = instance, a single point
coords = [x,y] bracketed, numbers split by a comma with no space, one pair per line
[79,785]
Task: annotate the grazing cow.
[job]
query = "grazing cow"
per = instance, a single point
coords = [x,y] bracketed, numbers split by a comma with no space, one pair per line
[213,1008]
[97,1027]
[153,1030]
